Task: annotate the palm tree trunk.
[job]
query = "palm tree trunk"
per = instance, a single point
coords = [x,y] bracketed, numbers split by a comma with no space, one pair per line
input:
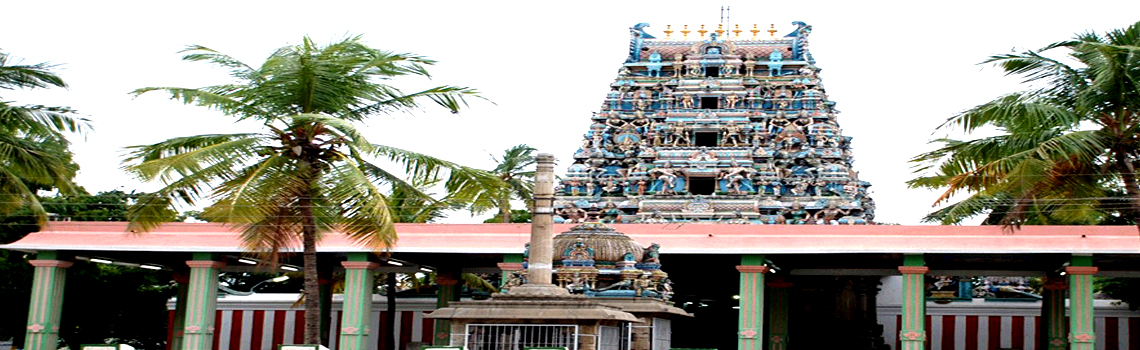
[505,210]
[312,286]
[390,327]
[1127,173]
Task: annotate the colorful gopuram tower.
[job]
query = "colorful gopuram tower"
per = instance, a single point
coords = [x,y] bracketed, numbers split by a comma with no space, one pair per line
[716,127]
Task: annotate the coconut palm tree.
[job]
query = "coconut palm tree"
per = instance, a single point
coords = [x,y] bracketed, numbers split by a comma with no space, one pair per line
[33,150]
[515,169]
[1070,145]
[310,171]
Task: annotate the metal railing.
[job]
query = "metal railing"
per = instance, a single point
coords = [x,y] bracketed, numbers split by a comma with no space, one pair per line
[521,336]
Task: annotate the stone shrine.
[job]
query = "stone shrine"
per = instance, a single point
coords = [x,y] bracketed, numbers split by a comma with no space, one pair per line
[716,128]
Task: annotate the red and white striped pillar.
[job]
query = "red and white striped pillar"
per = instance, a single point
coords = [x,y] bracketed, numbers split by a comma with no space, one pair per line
[201,302]
[913,331]
[750,331]
[357,313]
[1053,314]
[47,302]
[1081,322]
[778,313]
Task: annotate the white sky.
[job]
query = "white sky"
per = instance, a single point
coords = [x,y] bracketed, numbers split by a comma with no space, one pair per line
[896,69]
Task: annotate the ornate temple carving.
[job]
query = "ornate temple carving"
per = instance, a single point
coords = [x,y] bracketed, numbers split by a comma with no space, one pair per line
[716,129]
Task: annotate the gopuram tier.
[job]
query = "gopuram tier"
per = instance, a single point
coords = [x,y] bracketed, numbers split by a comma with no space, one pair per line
[719,128]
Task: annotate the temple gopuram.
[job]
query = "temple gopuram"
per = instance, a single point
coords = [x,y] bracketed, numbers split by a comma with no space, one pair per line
[716,127]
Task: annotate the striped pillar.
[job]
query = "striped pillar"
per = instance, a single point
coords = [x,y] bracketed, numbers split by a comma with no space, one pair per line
[357,314]
[46,305]
[1081,333]
[751,327]
[1053,314]
[913,331]
[182,277]
[201,304]
[778,313]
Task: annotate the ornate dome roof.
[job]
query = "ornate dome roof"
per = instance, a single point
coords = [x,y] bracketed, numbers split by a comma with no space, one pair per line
[609,245]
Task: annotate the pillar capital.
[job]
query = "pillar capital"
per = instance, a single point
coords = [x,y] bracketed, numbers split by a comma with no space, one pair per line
[1081,270]
[510,266]
[205,264]
[367,265]
[779,284]
[51,263]
[752,269]
[914,269]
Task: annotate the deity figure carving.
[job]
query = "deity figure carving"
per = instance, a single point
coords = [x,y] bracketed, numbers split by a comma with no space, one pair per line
[651,254]
[749,64]
[667,176]
[686,101]
[642,284]
[578,252]
[610,213]
[830,214]
[796,215]
[514,279]
[572,213]
[734,134]
[678,135]
[735,177]
[665,289]
[730,100]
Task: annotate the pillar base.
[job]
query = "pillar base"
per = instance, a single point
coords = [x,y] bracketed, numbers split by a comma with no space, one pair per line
[539,290]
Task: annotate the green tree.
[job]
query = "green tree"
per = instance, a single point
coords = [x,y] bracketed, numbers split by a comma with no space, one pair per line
[515,170]
[101,301]
[310,171]
[1068,149]
[33,150]
[518,216]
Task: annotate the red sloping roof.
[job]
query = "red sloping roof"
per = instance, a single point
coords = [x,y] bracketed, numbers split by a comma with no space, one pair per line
[674,238]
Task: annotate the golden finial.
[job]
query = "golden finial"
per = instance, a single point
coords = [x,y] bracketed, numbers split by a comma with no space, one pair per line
[737,31]
[754,31]
[720,30]
[772,31]
[685,31]
[668,31]
[702,31]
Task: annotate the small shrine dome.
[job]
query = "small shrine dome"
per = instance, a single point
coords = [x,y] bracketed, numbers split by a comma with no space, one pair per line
[608,244]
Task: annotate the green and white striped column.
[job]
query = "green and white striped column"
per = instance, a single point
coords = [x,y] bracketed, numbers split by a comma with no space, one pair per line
[182,277]
[1081,333]
[47,302]
[201,304]
[913,331]
[778,317]
[751,327]
[357,314]
[1053,314]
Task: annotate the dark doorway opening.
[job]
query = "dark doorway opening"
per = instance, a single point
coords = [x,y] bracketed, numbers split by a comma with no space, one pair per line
[706,139]
[709,103]
[712,72]
[702,185]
